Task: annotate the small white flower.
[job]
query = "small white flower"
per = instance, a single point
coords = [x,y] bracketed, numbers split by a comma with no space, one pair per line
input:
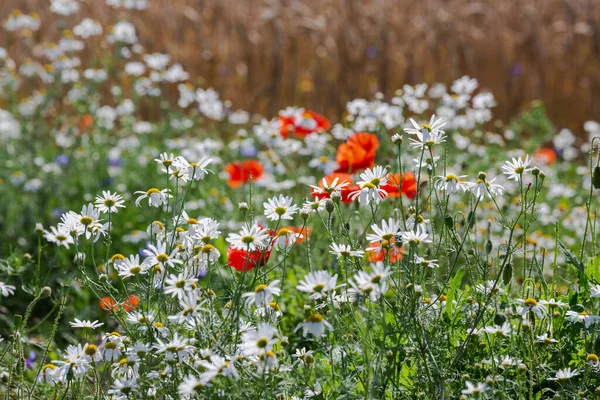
[156,198]
[416,237]
[278,208]
[517,168]
[250,238]
[6,290]
[109,202]
[262,294]
[563,375]
[474,389]
[315,324]
[85,324]
[344,250]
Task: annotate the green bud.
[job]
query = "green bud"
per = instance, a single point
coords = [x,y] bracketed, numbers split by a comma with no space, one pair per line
[507,274]
[499,319]
[449,221]
[596,177]
[488,246]
[329,206]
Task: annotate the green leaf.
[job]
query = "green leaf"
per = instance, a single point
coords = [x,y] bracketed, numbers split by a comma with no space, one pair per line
[453,290]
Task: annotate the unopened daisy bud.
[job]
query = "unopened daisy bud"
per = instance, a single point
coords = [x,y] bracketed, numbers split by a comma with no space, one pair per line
[449,221]
[499,319]
[488,246]
[45,292]
[304,214]
[329,206]
[596,177]
[39,228]
[103,277]
[243,206]
[388,168]
[336,197]
[542,175]
[482,176]
[27,257]
[535,171]
[285,341]
[507,274]
[397,138]
[556,314]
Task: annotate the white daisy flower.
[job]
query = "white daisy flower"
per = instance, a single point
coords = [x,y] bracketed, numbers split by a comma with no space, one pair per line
[260,340]
[194,171]
[320,284]
[109,202]
[563,375]
[191,386]
[262,294]
[344,251]
[86,324]
[452,183]
[474,389]
[582,317]
[517,168]
[250,238]
[315,324]
[156,198]
[217,366]
[6,289]
[59,237]
[420,235]
[278,208]
[428,135]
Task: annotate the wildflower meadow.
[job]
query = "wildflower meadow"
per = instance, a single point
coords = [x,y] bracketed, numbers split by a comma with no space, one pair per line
[160,243]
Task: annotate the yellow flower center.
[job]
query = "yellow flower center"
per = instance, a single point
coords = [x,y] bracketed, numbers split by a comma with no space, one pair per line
[260,288]
[315,318]
[530,302]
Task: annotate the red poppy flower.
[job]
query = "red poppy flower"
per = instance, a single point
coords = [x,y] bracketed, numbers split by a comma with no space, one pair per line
[244,261]
[357,153]
[545,155]
[405,184]
[131,303]
[240,172]
[309,122]
[108,304]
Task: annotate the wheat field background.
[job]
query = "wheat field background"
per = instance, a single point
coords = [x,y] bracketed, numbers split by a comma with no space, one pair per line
[264,55]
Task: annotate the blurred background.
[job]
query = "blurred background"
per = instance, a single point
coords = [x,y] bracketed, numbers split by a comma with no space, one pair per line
[264,55]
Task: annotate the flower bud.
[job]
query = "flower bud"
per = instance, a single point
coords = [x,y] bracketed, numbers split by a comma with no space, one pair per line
[596,177]
[397,138]
[304,214]
[329,206]
[449,221]
[45,292]
[39,228]
[243,206]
